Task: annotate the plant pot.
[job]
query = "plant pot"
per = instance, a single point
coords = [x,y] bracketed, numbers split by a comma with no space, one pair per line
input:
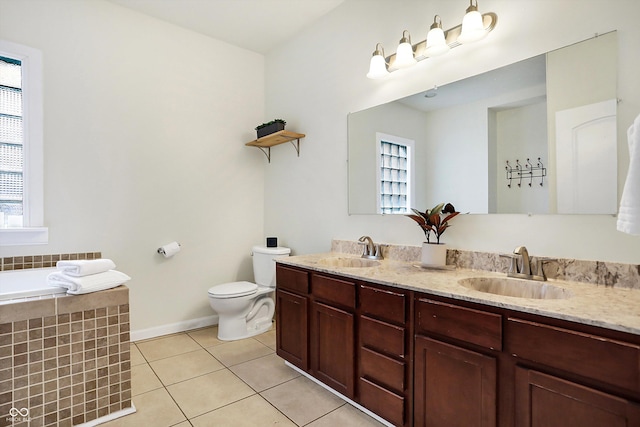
[269,129]
[434,254]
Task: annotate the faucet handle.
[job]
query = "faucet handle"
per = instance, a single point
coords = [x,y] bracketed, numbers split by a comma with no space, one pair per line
[379,247]
[537,270]
[513,265]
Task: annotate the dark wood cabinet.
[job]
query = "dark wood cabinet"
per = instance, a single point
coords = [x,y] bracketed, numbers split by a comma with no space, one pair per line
[383,363]
[292,341]
[332,333]
[455,385]
[292,310]
[548,401]
[417,359]
[332,347]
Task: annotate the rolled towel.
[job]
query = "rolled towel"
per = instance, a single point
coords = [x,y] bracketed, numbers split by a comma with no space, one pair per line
[86,284]
[84,267]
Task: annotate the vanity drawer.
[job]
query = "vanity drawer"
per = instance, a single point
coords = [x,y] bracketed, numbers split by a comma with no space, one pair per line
[382,337]
[383,402]
[591,356]
[291,279]
[461,323]
[341,292]
[383,304]
[382,369]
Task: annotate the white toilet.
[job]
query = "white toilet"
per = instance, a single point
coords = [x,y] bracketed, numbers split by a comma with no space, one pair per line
[246,309]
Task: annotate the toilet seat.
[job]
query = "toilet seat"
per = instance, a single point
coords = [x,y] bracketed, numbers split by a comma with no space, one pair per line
[233,290]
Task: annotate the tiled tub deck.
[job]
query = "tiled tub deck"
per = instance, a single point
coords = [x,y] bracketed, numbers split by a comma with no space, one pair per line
[65,361]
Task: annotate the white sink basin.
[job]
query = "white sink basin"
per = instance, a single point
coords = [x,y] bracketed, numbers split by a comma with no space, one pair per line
[518,288]
[348,262]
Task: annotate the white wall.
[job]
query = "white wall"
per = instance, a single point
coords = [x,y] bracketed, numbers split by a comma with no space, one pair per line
[144,144]
[317,78]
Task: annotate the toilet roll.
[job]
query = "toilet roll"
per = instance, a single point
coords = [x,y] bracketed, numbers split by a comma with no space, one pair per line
[169,250]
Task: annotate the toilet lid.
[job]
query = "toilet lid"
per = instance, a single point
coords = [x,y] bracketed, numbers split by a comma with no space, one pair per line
[233,289]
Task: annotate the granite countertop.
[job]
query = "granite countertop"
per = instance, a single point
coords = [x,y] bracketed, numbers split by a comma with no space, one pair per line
[607,307]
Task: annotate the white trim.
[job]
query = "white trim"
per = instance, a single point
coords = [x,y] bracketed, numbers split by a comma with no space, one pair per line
[32,116]
[24,236]
[346,399]
[109,417]
[174,328]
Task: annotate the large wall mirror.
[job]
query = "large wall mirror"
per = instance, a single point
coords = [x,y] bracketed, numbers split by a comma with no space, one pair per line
[537,137]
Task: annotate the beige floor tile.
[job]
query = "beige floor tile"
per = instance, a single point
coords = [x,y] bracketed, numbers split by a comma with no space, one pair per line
[208,392]
[250,412]
[346,415]
[155,408]
[136,357]
[264,372]
[206,337]
[302,400]
[268,338]
[185,366]
[167,346]
[143,379]
[235,352]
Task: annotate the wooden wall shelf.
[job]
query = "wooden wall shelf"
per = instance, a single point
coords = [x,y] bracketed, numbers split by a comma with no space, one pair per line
[266,142]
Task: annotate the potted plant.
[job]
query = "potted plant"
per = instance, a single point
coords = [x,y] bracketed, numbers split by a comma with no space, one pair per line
[270,127]
[436,221]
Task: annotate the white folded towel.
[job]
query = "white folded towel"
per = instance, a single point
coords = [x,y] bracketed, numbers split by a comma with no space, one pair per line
[84,267]
[629,213]
[86,284]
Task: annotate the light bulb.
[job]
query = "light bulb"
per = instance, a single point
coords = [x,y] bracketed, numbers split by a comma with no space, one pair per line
[472,25]
[378,64]
[404,54]
[436,42]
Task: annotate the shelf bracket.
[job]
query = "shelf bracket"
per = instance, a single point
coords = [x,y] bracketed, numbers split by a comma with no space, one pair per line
[266,152]
[296,145]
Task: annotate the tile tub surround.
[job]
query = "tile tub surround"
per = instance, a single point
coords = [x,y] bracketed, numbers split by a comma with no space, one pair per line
[66,359]
[595,272]
[604,306]
[42,261]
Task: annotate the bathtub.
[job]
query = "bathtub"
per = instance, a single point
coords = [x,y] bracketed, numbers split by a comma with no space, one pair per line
[31,282]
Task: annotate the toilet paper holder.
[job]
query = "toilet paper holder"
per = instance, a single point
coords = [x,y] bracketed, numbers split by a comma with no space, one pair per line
[162,249]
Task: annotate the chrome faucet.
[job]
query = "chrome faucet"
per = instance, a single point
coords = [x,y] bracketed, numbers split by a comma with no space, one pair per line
[525,263]
[371,250]
[525,267]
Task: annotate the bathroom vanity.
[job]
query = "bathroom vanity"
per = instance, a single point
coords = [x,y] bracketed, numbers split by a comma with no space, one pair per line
[416,348]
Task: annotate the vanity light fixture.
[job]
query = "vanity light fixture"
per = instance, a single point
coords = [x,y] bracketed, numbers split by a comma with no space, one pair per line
[378,64]
[472,25]
[404,54]
[475,26]
[436,42]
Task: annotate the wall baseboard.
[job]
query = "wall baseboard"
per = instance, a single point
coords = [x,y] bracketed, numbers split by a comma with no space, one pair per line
[173,328]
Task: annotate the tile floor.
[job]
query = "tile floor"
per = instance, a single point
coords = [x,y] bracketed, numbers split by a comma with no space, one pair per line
[194,379]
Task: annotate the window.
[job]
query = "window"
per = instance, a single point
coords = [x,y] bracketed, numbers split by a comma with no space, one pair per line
[11,143]
[395,174]
[21,177]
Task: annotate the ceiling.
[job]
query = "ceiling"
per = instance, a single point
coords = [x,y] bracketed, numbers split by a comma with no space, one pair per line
[256,25]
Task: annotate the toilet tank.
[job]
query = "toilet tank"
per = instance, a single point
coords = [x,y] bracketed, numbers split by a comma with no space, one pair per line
[264,266]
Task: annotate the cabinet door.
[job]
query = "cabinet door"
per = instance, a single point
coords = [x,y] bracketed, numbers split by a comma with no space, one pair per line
[546,401]
[332,347]
[454,387]
[292,328]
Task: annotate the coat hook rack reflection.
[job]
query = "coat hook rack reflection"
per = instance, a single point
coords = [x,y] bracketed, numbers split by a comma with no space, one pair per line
[527,172]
